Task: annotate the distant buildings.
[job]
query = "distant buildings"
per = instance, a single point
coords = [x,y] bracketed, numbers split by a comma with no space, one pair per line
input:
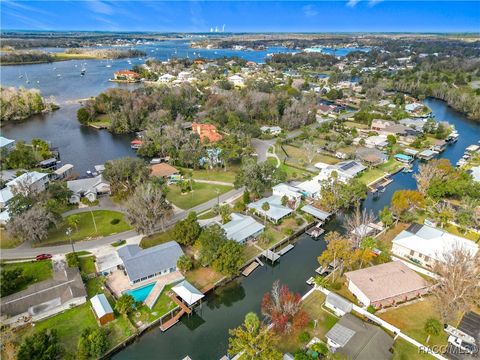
[6,144]
[126,75]
[386,284]
[237,80]
[271,130]
[207,132]
[424,244]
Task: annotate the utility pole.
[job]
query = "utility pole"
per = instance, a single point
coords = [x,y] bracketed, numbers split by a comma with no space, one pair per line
[68,232]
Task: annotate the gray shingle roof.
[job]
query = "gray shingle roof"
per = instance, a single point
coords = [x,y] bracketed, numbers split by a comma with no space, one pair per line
[142,263]
[339,302]
[241,227]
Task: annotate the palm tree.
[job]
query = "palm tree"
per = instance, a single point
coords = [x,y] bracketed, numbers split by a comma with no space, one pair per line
[432,327]
[265,208]
[74,220]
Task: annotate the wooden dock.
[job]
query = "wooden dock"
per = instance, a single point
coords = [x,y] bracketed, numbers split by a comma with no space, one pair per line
[314,232]
[249,269]
[285,249]
[168,324]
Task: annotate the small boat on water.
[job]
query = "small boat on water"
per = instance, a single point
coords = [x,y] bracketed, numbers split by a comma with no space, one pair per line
[109,66]
[83,71]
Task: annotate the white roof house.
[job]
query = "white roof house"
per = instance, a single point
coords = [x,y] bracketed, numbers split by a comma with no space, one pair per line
[276,212]
[475,172]
[31,181]
[273,130]
[312,187]
[426,244]
[6,143]
[291,192]
[165,78]
[378,141]
[187,292]
[346,170]
[101,306]
[242,227]
[237,80]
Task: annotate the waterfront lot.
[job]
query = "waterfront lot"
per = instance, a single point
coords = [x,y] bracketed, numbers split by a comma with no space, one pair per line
[104,221]
[201,193]
[215,174]
[374,173]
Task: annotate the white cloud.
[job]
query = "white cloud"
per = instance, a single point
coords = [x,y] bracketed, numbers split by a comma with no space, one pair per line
[100,7]
[309,11]
[372,3]
[352,3]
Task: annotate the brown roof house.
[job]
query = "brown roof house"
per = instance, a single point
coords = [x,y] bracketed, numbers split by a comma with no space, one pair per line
[163,170]
[44,299]
[386,284]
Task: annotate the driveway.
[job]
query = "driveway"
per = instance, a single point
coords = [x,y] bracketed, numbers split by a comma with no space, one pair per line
[261,148]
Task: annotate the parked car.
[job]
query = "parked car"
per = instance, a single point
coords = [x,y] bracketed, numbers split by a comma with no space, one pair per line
[44,256]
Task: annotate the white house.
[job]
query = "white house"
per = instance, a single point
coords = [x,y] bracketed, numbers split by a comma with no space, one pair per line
[27,182]
[291,192]
[242,228]
[425,244]
[272,130]
[276,210]
[338,304]
[6,144]
[166,78]
[237,80]
[377,141]
[89,188]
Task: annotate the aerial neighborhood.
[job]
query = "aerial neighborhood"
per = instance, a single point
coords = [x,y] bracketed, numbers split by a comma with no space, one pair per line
[326,165]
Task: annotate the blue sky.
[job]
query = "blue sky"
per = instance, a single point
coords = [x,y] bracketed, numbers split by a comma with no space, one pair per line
[238,16]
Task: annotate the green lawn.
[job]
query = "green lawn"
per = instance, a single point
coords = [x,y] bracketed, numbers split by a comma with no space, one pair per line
[206,215]
[94,286]
[201,193]
[250,251]
[373,174]
[86,228]
[403,350]
[69,326]
[38,270]
[471,235]
[411,320]
[292,172]
[156,239]
[163,305]
[87,264]
[275,235]
[214,174]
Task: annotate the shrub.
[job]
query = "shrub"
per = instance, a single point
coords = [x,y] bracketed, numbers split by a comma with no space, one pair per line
[288,231]
[433,327]
[304,337]
[114,221]
[299,221]
[320,348]
[336,285]
[72,259]
[371,309]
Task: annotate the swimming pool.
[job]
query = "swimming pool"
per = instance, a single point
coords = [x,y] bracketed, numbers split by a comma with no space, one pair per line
[140,294]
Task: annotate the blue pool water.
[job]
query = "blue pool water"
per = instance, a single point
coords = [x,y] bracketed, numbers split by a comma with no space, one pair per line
[141,294]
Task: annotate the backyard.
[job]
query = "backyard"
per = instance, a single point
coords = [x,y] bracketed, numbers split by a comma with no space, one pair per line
[375,173]
[321,322]
[92,224]
[203,277]
[411,320]
[202,192]
[214,174]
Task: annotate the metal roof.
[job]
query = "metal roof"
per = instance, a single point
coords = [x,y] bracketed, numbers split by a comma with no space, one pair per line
[339,302]
[141,263]
[189,293]
[319,214]
[277,211]
[340,334]
[241,227]
[100,305]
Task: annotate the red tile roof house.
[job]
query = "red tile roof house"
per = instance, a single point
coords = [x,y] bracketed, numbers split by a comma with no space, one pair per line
[206,131]
[126,75]
[386,284]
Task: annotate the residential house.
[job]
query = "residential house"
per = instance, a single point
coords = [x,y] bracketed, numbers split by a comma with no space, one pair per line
[380,124]
[165,78]
[44,299]
[414,123]
[275,213]
[425,244]
[291,192]
[403,158]
[242,228]
[358,340]
[272,130]
[90,188]
[475,172]
[145,264]
[63,172]
[126,75]
[338,304]
[237,80]
[345,170]
[377,141]
[372,286]
[6,144]
[311,188]
[207,132]
[102,309]
[30,181]
[371,156]
[163,170]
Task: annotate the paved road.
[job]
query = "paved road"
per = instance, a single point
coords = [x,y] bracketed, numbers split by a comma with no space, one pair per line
[26,251]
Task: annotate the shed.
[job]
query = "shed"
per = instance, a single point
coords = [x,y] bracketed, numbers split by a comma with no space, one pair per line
[338,304]
[403,158]
[102,309]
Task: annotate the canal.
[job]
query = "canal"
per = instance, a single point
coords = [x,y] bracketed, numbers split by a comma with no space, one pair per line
[204,336]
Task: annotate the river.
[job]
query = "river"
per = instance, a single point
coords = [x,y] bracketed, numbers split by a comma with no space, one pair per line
[204,336]
[79,145]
